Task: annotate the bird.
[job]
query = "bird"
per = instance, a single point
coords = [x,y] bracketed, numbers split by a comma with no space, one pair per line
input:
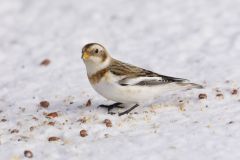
[124,83]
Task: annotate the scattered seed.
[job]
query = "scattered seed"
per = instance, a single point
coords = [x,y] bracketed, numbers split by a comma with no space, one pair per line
[35,118]
[52,115]
[106,135]
[31,128]
[83,120]
[44,104]
[28,154]
[220,96]
[227,81]
[89,103]
[51,123]
[3,120]
[22,109]
[108,123]
[217,90]
[14,131]
[202,96]
[45,62]
[83,133]
[50,139]
[234,92]
[231,122]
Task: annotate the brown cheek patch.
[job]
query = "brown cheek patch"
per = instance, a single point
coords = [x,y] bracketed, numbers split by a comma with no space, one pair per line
[95,78]
[104,57]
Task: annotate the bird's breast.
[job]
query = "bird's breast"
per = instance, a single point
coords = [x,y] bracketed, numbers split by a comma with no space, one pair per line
[98,76]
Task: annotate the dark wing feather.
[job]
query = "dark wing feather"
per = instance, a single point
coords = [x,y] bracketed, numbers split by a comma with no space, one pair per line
[146,77]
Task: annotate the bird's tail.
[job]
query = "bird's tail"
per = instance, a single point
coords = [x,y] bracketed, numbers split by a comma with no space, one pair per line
[191,85]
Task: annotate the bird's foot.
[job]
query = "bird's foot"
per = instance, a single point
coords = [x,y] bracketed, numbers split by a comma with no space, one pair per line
[129,110]
[112,106]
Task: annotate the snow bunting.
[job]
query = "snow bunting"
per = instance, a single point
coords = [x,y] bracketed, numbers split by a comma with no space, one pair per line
[125,83]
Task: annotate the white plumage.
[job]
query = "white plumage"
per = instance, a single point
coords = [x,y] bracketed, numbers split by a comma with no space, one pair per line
[109,88]
[125,83]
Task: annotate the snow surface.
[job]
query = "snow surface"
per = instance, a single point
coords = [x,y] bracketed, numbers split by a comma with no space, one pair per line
[194,39]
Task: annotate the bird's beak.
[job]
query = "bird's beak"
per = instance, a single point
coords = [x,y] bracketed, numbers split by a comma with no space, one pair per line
[85,55]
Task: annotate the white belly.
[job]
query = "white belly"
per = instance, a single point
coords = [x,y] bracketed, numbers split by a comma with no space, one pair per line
[123,94]
[127,94]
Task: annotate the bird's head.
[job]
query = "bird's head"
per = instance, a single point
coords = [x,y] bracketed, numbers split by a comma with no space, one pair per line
[94,52]
[95,57]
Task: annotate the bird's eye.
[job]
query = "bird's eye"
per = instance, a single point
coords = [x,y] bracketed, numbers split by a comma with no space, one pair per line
[96,51]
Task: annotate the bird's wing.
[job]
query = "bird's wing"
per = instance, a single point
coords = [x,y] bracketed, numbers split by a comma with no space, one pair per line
[132,75]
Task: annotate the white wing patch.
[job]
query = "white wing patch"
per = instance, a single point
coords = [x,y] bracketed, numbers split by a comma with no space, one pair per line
[142,81]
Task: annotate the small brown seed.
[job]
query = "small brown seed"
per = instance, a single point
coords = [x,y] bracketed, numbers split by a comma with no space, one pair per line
[51,123]
[28,154]
[14,131]
[44,104]
[108,123]
[52,115]
[234,92]
[220,96]
[89,103]
[45,62]
[83,120]
[83,133]
[31,128]
[3,120]
[35,118]
[53,139]
[202,96]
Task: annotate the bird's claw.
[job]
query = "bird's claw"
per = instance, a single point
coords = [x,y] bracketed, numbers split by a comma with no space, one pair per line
[117,105]
[110,107]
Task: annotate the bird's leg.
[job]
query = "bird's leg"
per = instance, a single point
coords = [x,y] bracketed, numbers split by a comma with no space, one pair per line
[129,110]
[110,107]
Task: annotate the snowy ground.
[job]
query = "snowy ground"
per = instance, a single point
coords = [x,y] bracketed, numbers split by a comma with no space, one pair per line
[194,39]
